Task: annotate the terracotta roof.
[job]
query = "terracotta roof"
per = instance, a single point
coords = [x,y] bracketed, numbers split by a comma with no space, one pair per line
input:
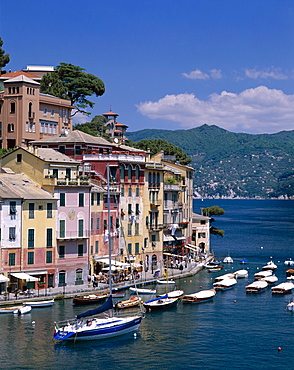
[6,76]
[120,124]
[110,113]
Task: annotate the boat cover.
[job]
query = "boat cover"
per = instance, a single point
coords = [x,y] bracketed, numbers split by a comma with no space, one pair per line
[108,305]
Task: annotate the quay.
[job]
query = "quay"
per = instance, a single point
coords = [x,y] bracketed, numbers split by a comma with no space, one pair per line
[68,292]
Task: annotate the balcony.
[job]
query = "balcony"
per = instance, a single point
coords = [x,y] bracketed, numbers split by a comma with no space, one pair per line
[72,235]
[31,115]
[53,181]
[155,227]
[156,203]
[171,187]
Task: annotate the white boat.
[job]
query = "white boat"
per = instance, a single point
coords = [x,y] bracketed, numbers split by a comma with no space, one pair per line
[240,274]
[290,306]
[165,281]
[283,288]
[199,297]
[256,286]
[161,303]
[88,325]
[143,291]
[225,276]
[289,262]
[262,274]
[175,293]
[228,259]
[22,310]
[269,266]
[270,279]
[33,304]
[225,284]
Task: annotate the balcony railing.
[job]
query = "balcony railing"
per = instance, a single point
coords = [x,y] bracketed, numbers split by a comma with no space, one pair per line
[53,181]
[171,187]
[69,235]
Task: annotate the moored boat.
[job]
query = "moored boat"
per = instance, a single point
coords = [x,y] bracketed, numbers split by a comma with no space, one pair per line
[22,310]
[161,303]
[243,261]
[271,279]
[290,274]
[9,309]
[215,269]
[289,262]
[225,284]
[128,303]
[199,297]
[262,274]
[228,259]
[256,286]
[241,274]
[269,266]
[225,276]
[165,281]
[175,293]
[89,299]
[283,288]
[33,304]
[290,306]
[143,290]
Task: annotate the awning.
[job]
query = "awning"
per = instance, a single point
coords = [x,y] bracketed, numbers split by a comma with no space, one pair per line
[3,279]
[193,247]
[173,255]
[41,272]
[168,238]
[23,276]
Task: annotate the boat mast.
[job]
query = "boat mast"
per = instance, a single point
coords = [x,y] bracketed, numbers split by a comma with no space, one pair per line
[108,229]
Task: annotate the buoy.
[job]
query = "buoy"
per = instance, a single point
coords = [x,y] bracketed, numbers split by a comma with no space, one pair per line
[191,281]
[200,286]
[33,322]
[279,349]
[235,301]
[135,335]
[248,281]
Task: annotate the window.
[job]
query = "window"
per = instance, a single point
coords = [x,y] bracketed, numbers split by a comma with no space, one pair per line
[81,200]
[81,228]
[78,150]
[68,173]
[130,191]
[10,127]
[96,246]
[130,173]
[92,198]
[31,257]
[12,234]
[62,228]
[130,248]
[49,237]
[105,224]
[129,229]
[12,108]
[136,228]
[117,223]
[52,113]
[202,222]
[98,199]
[97,223]
[31,210]
[61,251]
[201,235]
[91,249]
[137,191]
[48,256]
[45,112]
[61,278]
[79,276]
[31,238]
[62,149]
[80,250]
[137,249]
[137,173]
[12,210]
[62,199]
[49,210]
[55,173]
[122,191]
[111,222]
[92,223]
[122,172]
[11,259]
[137,209]
[130,209]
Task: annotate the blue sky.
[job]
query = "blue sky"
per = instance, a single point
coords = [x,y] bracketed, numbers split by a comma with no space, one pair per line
[167,64]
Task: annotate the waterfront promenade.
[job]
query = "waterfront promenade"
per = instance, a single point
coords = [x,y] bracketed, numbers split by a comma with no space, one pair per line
[70,291]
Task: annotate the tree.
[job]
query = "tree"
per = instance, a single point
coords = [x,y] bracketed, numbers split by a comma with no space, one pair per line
[214,211]
[71,82]
[4,58]
[96,127]
[160,144]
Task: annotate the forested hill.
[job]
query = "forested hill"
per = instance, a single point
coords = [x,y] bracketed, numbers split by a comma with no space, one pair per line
[234,164]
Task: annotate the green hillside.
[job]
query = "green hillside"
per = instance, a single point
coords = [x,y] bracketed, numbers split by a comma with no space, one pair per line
[234,164]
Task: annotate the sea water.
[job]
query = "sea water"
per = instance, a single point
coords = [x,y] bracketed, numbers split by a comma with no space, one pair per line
[233,331]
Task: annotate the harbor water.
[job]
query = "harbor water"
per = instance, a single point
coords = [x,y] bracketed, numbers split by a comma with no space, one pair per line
[233,331]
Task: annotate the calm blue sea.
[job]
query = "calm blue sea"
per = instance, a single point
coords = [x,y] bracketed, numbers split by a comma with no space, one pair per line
[234,331]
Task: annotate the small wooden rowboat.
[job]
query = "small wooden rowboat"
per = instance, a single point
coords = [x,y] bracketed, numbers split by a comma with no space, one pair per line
[129,303]
[22,310]
[89,299]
